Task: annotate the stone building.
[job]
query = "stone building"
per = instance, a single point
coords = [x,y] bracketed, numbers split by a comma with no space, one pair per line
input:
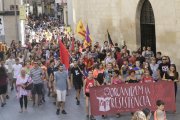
[154,23]
[10,18]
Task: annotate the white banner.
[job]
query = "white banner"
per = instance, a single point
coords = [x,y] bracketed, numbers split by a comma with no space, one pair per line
[1,26]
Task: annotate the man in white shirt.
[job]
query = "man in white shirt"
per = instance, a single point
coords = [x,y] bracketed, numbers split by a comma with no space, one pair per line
[9,66]
[16,71]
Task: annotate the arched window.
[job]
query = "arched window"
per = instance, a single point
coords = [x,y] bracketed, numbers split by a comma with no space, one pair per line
[147,23]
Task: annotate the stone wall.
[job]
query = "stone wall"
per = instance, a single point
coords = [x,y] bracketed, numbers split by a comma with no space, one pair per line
[10,29]
[120,17]
[7,4]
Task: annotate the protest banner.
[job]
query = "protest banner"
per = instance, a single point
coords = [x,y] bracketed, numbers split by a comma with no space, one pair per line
[131,97]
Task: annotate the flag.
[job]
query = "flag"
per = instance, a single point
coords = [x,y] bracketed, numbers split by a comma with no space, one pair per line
[80,30]
[68,29]
[64,54]
[86,44]
[72,44]
[88,39]
[109,39]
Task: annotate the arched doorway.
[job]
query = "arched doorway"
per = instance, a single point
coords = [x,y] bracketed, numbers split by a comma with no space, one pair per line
[146,35]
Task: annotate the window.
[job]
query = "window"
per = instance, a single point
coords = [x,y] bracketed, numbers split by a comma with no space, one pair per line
[12,7]
[147,22]
[147,15]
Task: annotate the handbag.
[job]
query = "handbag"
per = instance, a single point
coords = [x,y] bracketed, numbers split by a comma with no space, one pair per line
[28,86]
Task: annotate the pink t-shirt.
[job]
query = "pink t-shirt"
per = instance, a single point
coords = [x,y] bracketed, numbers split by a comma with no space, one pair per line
[21,91]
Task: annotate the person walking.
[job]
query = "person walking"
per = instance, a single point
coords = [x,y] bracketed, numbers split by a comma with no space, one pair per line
[3,85]
[36,76]
[61,80]
[23,80]
[88,83]
[16,71]
[76,77]
[9,66]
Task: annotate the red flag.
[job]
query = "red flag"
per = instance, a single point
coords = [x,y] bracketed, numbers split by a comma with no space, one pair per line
[72,44]
[64,54]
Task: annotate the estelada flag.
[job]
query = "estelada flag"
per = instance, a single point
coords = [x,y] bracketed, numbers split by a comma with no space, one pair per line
[80,30]
[64,54]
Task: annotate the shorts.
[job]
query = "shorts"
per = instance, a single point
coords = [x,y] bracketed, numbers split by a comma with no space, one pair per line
[61,95]
[78,85]
[10,76]
[37,89]
[3,89]
[87,94]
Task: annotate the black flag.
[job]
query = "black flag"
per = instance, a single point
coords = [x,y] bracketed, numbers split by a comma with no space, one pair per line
[109,39]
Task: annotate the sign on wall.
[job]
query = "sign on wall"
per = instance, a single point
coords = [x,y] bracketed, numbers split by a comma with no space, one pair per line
[22,12]
[131,97]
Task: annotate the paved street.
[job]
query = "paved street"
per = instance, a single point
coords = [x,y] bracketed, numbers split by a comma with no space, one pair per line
[47,111]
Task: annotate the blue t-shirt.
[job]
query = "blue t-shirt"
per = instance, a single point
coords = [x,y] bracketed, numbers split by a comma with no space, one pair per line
[61,80]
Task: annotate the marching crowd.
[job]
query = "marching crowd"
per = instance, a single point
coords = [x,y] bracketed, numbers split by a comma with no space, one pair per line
[35,68]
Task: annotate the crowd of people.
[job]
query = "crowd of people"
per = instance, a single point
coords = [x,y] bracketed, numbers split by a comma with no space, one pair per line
[36,67]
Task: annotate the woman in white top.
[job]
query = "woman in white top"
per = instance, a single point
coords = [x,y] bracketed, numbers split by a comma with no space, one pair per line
[22,81]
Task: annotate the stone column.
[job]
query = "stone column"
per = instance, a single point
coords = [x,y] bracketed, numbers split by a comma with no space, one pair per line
[65,15]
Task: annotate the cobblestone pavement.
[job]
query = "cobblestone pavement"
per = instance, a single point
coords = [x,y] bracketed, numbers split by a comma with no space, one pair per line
[47,110]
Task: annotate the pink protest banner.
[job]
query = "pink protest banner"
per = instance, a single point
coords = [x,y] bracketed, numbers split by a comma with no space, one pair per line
[131,97]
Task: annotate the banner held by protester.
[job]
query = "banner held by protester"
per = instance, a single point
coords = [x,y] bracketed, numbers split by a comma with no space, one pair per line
[114,99]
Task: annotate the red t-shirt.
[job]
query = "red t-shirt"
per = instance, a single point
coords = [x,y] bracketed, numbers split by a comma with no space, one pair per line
[147,79]
[89,84]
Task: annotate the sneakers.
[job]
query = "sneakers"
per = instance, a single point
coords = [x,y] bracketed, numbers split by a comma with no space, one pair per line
[7,96]
[118,115]
[77,101]
[103,117]
[2,105]
[57,112]
[92,117]
[64,112]
[12,88]
[40,103]
[43,100]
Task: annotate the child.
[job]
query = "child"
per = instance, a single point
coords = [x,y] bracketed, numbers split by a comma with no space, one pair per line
[160,113]
[147,78]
